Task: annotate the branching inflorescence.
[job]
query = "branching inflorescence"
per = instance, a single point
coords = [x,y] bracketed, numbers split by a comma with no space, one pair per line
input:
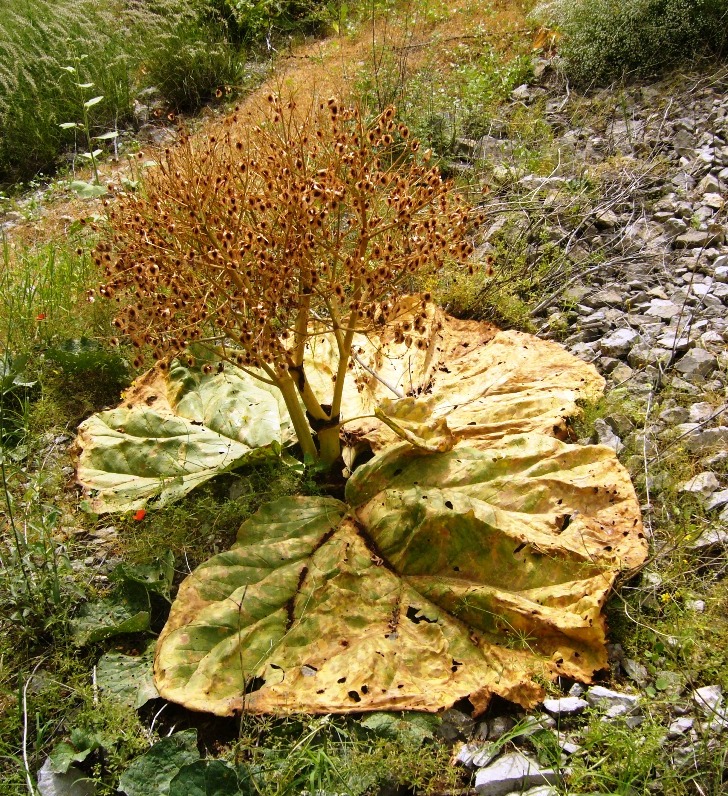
[264,235]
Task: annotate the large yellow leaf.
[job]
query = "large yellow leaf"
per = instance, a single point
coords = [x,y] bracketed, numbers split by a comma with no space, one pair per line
[461,379]
[451,575]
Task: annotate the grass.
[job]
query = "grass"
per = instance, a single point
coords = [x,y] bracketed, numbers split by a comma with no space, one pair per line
[50,563]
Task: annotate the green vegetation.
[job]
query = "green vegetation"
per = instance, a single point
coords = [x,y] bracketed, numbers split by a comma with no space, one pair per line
[189,51]
[57,368]
[606,39]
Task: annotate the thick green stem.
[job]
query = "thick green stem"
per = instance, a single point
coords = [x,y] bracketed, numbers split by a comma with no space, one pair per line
[300,425]
[329,444]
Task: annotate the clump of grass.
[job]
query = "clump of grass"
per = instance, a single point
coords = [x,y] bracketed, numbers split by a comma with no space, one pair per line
[604,39]
[123,47]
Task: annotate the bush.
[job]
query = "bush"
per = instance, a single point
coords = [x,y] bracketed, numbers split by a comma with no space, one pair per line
[252,21]
[605,39]
[191,64]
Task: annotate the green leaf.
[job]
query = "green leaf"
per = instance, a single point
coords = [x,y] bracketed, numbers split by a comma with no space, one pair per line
[460,574]
[175,431]
[69,126]
[415,727]
[153,772]
[211,778]
[93,101]
[155,577]
[91,155]
[107,136]
[127,678]
[64,755]
[79,355]
[81,745]
[125,610]
[87,85]
[87,190]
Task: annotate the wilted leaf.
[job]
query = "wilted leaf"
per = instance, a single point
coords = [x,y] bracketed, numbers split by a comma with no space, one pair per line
[462,574]
[211,778]
[127,678]
[174,432]
[153,772]
[125,610]
[411,420]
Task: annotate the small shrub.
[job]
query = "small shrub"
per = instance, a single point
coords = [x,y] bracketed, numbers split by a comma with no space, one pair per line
[604,39]
[250,22]
[193,64]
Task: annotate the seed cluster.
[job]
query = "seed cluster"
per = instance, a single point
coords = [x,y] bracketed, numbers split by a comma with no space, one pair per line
[250,234]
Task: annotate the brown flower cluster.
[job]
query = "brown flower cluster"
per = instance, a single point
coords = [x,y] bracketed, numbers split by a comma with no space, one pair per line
[251,235]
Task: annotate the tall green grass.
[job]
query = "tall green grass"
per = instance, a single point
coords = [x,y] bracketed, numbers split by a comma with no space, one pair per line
[125,45]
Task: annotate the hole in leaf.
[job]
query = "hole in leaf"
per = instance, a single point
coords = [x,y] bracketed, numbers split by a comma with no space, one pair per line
[354,696]
[308,671]
[448,504]
[519,548]
[254,684]
[414,615]
[365,689]
[341,680]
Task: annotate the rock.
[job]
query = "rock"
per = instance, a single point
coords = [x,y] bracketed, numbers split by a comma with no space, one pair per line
[695,605]
[679,727]
[621,374]
[605,436]
[696,364]
[701,411]
[605,298]
[619,343]
[696,239]
[674,415]
[713,200]
[455,725]
[707,440]
[643,354]
[713,537]
[669,683]
[565,706]
[477,755]
[513,771]
[607,219]
[73,783]
[704,484]
[709,699]
[636,672]
[499,726]
[717,500]
[674,342]
[662,308]
[576,690]
[709,184]
[599,696]
[541,790]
